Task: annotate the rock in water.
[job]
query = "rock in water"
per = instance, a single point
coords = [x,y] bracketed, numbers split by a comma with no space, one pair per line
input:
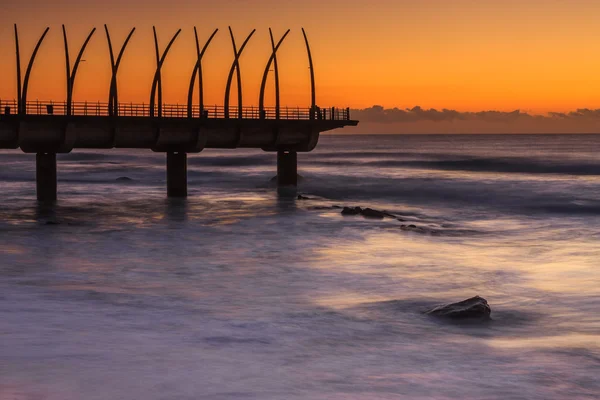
[473,308]
[300,197]
[370,213]
[124,179]
[352,211]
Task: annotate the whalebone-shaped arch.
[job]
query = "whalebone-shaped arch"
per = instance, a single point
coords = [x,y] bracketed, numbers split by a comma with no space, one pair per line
[72,73]
[113,95]
[23,86]
[235,67]
[198,71]
[313,101]
[272,60]
[157,82]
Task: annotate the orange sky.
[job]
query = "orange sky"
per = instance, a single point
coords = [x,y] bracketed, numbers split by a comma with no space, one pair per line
[468,55]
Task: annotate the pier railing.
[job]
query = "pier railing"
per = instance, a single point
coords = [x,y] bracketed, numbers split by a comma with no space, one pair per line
[99,109]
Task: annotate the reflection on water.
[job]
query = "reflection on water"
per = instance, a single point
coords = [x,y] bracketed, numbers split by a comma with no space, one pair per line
[243,291]
[177,209]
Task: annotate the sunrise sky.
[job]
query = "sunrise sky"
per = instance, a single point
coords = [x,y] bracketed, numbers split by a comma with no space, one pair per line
[537,56]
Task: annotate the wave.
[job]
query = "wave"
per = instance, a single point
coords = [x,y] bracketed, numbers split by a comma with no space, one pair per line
[233,161]
[500,165]
[505,165]
[566,208]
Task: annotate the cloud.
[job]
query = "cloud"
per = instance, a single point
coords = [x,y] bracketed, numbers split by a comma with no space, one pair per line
[396,115]
[419,120]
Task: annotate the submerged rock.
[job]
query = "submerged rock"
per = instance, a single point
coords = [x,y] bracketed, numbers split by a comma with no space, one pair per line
[419,229]
[370,213]
[366,212]
[352,211]
[300,197]
[473,308]
[124,179]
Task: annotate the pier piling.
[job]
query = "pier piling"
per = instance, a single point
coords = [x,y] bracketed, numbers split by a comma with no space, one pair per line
[46,177]
[287,168]
[176,174]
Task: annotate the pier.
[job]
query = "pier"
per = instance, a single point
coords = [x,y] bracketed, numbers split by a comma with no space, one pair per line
[50,127]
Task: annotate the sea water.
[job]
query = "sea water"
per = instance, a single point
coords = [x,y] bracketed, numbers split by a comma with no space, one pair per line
[245,292]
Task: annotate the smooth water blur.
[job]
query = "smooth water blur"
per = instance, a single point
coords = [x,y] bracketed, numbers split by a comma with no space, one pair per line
[241,292]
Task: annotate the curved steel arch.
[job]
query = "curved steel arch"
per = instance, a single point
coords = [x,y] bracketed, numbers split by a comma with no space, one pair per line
[72,74]
[273,60]
[19,88]
[235,66]
[113,97]
[313,101]
[157,76]
[22,89]
[198,70]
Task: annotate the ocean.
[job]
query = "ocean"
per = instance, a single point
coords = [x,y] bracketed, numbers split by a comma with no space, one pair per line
[243,291]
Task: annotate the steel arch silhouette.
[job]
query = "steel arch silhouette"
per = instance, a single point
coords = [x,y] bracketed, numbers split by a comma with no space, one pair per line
[22,90]
[157,82]
[236,67]
[198,70]
[113,95]
[156,92]
[71,74]
[272,60]
[313,96]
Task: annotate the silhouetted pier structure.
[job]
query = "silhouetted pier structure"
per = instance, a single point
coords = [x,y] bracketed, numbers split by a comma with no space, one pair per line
[47,127]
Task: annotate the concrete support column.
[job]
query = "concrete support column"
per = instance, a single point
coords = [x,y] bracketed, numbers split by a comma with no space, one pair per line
[177,174]
[287,168]
[45,175]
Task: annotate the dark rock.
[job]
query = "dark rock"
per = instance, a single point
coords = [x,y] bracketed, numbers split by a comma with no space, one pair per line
[418,229]
[370,213]
[124,179]
[387,214]
[473,308]
[300,197]
[352,211]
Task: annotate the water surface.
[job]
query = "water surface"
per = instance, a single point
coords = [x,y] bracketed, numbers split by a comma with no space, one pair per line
[241,292]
